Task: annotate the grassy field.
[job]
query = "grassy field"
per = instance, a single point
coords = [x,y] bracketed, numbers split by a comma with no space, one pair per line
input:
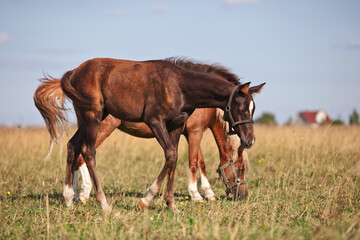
[304,183]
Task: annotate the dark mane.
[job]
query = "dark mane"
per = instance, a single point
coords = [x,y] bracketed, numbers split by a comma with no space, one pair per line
[205,68]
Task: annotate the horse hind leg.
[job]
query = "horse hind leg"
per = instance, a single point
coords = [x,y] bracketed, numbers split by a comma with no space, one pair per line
[92,121]
[86,185]
[107,126]
[73,148]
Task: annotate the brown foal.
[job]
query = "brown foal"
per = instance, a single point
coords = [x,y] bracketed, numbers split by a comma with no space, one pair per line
[162,94]
[202,119]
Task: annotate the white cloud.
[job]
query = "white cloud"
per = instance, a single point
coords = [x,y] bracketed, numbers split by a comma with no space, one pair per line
[350,43]
[161,9]
[4,37]
[353,43]
[238,2]
[119,12]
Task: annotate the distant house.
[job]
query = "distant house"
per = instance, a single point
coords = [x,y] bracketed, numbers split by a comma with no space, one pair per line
[311,118]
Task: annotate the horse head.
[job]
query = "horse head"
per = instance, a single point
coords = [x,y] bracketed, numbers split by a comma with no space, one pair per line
[233,175]
[239,112]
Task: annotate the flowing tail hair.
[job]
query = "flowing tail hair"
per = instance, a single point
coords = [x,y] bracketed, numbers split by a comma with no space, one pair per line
[50,98]
[50,101]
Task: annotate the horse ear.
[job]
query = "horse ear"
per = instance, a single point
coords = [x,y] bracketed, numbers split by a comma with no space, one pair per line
[245,87]
[256,89]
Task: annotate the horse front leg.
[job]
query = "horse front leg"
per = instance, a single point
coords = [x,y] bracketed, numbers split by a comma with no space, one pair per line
[161,133]
[172,160]
[194,139]
[205,184]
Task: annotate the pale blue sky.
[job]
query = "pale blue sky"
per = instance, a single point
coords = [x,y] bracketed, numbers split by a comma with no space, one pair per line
[308,52]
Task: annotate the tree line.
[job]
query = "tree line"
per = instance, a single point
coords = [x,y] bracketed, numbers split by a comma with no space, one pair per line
[268,118]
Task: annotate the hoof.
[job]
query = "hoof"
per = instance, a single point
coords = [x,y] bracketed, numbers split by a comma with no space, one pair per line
[142,206]
[69,203]
[83,199]
[76,198]
[211,198]
[199,200]
[175,210]
[107,209]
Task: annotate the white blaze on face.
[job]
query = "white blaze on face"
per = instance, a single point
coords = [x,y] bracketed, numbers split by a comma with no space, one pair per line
[251,107]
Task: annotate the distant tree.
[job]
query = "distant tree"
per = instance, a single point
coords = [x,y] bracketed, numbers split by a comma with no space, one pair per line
[338,121]
[266,118]
[354,117]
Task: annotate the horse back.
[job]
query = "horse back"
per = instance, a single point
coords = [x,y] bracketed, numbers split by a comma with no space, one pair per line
[130,90]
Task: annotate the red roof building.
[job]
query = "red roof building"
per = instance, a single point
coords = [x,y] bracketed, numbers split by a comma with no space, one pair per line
[311,117]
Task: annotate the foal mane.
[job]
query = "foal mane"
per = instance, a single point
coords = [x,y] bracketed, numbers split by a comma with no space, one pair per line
[205,68]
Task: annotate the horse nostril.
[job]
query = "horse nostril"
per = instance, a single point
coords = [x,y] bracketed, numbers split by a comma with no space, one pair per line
[251,142]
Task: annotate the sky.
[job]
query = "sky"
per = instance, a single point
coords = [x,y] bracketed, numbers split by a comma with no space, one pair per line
[307,52]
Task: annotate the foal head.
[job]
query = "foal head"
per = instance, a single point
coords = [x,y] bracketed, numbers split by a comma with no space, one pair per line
[233,171]
[239,112]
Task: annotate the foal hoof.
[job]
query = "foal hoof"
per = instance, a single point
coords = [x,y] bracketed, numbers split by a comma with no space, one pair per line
[83,199]
[142,206]
[199,200]
[175,209]
[211,198]
[107,209]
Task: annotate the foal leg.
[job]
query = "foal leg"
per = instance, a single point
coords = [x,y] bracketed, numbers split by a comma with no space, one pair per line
[92,121]
[160,131]
[107,126]
[85,187]
[169,192]
[193,139]
[205,185]
[74,148]
[75,185]
[86,184]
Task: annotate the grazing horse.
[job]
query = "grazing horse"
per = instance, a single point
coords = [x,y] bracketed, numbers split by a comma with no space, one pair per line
[159,93]
[202,119]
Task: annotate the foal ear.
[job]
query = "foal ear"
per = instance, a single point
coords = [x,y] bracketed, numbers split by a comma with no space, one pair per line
[245,87]
[256,89]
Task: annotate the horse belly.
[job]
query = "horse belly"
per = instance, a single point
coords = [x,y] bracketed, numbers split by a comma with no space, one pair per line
[136,129]
[125,110]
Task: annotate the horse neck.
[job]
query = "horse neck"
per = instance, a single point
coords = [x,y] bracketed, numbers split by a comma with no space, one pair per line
[204,90]
[228,144]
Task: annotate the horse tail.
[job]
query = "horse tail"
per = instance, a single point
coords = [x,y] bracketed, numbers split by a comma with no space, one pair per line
[49,99]
[79,99]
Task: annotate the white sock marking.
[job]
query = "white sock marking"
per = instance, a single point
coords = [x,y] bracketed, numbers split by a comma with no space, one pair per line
[68,194]
[205,185]
[151,192]
[194,193]
[86,184]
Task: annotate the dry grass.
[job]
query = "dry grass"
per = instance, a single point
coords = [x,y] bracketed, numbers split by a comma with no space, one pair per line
[307,187]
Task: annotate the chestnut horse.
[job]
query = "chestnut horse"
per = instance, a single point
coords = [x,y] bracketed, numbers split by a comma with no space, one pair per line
[159,93]
[198,122]
[202,119]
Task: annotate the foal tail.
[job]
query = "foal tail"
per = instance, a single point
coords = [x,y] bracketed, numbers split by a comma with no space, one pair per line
[49,99]
[80,100]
